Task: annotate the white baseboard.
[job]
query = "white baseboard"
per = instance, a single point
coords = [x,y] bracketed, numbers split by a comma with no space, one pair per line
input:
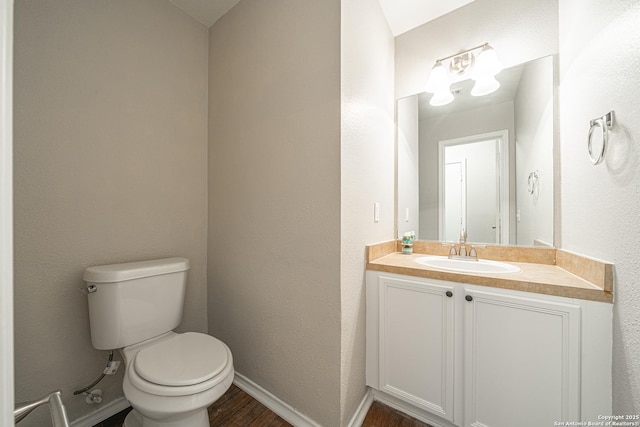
[363,408]
[284,410]
[108,410]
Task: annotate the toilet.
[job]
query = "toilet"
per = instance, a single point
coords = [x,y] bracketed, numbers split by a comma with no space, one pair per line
[170,378]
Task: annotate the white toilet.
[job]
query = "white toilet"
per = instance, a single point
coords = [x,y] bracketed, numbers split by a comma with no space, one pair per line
[170,378]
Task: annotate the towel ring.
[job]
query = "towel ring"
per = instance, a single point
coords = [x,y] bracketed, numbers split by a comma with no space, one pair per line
[605,123]
[532,182]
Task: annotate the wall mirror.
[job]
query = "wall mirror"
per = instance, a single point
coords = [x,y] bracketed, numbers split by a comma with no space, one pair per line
[484,164]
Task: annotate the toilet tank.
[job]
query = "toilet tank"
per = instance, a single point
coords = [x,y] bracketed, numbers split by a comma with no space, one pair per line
[132,302]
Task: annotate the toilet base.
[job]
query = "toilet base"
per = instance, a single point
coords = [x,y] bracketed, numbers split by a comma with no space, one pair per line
[133,419]
[198,419]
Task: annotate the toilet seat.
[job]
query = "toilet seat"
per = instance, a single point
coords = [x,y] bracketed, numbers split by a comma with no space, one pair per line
[186,359]
[183,364]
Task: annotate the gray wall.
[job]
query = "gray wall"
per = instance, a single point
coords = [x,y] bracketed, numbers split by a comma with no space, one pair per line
[110,166]
[301,146]
[274,198]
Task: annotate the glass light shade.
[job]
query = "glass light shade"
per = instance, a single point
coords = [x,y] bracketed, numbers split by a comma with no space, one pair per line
[438,79]
[485,85]
[487,63]
[442,97]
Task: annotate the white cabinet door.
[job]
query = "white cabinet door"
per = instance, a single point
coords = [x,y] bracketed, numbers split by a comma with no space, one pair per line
[416,348]
[521,359]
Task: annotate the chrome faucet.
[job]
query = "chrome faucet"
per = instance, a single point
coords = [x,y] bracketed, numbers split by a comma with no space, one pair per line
[463,243]
[469,254]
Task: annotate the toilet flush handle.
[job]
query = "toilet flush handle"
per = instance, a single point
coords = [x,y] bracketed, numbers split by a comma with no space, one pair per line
[89,289]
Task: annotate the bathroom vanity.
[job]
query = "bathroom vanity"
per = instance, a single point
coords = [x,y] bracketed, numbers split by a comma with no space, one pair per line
[458,349]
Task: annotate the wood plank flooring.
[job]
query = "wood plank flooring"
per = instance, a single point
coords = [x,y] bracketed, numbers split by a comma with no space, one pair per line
[237,409]
[380,415]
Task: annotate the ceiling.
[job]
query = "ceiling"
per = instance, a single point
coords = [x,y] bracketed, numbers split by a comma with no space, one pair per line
[402,15]
[206,12]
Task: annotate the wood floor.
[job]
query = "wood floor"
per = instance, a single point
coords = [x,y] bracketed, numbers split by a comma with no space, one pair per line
[380,415]
[237,409]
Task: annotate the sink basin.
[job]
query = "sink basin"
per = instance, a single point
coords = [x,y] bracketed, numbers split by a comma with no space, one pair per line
[467,266]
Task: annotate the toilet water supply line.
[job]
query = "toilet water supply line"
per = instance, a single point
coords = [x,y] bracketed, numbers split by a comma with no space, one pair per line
[110,369]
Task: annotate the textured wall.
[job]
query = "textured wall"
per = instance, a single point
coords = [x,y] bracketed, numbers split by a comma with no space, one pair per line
[367,159]
[274,198]
[110,166]
[599,62]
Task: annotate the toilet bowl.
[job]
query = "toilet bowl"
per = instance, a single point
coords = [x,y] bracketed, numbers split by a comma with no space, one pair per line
[170,378]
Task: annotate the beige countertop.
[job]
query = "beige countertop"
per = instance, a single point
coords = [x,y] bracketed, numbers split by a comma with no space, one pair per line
[549,279]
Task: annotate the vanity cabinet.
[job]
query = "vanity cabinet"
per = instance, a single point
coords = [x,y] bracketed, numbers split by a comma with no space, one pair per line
[416,343]
[453,354]
[521,360]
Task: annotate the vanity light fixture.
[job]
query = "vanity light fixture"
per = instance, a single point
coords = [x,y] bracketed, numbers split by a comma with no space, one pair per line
[479,63]
[439,84]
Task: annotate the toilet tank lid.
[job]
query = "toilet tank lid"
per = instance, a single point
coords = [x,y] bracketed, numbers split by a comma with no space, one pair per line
[134,270]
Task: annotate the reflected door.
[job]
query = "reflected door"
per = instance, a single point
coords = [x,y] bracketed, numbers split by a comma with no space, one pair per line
[471,179]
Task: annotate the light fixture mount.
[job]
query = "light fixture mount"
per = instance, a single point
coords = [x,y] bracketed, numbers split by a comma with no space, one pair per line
[479,63]
[462,63]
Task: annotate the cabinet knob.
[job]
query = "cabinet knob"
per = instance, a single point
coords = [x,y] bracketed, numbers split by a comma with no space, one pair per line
[449,294]
[469,298]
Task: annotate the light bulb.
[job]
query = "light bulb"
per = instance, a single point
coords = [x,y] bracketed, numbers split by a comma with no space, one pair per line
[438,80]
[485,85]
[441,98]
[487,63]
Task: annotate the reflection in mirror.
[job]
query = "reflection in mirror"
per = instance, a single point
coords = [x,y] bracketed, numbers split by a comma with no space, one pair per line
[484,164]
[474,178]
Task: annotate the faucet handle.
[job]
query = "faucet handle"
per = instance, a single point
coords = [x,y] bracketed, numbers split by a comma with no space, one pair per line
[472,251]
[452,251]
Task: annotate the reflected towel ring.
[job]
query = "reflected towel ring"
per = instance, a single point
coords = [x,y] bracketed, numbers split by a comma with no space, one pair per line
[532,182]
[605,123]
